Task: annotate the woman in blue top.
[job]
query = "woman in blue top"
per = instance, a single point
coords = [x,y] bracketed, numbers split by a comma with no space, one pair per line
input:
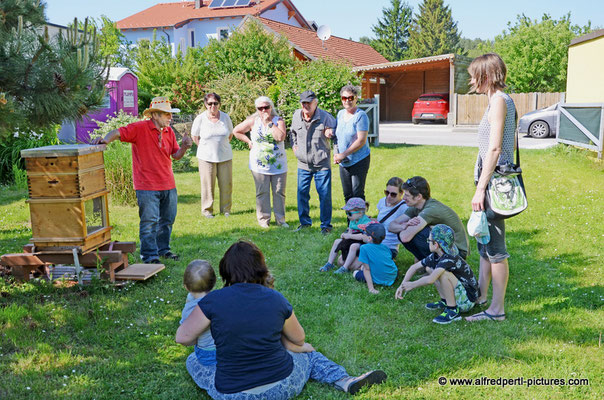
[260,348]
[352,152]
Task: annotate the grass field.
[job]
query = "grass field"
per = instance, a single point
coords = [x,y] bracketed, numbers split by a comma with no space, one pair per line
[107,343]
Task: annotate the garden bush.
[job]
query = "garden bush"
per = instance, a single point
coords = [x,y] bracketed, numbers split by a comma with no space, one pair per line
[323,77]
[12,166]
[251,51]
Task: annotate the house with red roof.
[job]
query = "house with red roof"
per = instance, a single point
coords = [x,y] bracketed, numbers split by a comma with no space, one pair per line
[194,23]
[306,45]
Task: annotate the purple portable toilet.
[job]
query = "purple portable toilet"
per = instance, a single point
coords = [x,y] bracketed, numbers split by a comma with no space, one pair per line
[122,94]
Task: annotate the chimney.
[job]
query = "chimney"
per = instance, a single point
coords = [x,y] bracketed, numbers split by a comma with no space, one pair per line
[198,3]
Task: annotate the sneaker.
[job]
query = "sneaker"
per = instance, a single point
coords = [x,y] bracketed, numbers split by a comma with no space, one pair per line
[438,305]
[367,379]
[170,256]
[327,267]
[448,316]
[284,225]
[153,261]
[341,270]
[226,214]
[300,227]
[209,216]
[325,231]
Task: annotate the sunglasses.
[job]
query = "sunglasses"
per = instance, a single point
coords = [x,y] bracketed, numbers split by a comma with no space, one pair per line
[263,108]
[430,241]
[391,194]
[349,98]
[409,183]
[212,103]
[351,213]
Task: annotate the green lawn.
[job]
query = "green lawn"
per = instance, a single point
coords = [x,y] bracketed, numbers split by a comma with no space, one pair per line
[103,342]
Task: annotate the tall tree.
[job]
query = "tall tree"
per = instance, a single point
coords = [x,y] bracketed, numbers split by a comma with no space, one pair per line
[433,31]
[45,80]
[536,52]
[392,30]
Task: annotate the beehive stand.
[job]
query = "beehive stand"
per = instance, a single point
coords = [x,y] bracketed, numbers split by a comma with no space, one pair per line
[70,216]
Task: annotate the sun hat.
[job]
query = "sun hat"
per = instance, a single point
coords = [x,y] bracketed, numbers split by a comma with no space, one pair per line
[161,104]
[445,237]
[376,231]
[355,202]
[307,96]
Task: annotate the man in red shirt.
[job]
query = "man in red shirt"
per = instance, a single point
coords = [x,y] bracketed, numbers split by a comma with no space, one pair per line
[153,148]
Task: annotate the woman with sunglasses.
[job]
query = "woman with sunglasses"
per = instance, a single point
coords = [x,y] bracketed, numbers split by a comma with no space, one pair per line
[352,152]
[390,208]
[268,161]
[212,131]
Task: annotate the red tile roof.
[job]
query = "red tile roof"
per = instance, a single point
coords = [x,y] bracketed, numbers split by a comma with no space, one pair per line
[334,48]
[179,13]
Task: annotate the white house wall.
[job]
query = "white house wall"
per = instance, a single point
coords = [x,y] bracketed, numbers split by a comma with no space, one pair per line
[204,30]
[279,14]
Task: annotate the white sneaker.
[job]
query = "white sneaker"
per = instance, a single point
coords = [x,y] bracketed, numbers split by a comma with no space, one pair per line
[284,225]
[226,214]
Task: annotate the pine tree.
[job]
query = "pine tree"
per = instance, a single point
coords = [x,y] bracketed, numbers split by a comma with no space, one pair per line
[45,80]
[433,31]
[392,31]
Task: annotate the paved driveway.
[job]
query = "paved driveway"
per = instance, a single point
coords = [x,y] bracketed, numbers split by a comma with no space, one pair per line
[438,134]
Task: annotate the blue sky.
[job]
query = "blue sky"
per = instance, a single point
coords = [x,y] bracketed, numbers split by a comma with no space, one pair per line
[353,18]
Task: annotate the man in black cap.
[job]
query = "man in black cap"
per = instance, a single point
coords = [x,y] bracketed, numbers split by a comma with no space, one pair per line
[311,128]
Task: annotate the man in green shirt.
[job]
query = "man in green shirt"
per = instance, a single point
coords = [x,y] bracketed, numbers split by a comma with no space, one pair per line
[413,227]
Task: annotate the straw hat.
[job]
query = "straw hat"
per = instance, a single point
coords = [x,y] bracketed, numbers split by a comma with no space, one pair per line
[161,104]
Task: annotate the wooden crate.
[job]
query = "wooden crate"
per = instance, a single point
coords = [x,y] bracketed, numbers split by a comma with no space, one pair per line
[67,197]
[65,171]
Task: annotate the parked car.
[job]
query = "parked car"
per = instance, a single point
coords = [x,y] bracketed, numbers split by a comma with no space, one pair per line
[430,107]
[540,123]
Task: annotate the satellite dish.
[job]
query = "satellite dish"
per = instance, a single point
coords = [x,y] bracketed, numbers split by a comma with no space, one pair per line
[324,32]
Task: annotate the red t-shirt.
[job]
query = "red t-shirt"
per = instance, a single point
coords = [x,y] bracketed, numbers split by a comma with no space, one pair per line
[151,163]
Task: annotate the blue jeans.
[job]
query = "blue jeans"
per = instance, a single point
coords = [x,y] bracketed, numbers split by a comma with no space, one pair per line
[418,246]
[306,366]
[157,212]
[323,185]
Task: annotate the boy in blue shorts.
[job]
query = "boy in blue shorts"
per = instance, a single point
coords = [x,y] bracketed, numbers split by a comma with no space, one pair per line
[452,276]
[377,266]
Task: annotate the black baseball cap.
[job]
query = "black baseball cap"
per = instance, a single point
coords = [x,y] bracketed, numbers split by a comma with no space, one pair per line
[307,96]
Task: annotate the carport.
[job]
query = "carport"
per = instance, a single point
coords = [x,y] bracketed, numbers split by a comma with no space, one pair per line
[399,83]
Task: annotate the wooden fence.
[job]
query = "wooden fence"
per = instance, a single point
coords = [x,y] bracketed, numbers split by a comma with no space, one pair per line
[470,107]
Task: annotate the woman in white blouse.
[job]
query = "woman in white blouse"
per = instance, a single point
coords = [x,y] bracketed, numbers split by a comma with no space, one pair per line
[212,132]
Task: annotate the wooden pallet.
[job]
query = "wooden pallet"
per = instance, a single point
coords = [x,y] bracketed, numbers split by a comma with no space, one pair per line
[112,258]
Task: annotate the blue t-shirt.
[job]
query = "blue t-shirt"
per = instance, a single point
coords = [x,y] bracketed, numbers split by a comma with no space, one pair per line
[379,259]
[246,323]
[346,132]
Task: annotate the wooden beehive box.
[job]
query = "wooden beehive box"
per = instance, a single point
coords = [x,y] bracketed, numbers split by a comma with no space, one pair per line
[67,197]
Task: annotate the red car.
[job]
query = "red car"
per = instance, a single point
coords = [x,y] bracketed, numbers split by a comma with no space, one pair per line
[431,107]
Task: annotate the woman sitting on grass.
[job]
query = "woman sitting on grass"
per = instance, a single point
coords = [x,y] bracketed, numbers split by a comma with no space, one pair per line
[249,322]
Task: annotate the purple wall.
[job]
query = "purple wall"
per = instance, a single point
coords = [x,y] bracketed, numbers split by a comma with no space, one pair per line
[120,95]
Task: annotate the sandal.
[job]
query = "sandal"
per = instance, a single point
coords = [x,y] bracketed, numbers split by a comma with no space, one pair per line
[367,379]
[171,256]
[485,315]
[481,303]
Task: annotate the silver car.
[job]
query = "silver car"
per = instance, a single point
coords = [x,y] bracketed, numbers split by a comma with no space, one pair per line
[540,123]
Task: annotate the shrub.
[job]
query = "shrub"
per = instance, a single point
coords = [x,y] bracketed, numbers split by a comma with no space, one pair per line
[238,94]
[176,77]
[325,78]
[249,51]
[12,166]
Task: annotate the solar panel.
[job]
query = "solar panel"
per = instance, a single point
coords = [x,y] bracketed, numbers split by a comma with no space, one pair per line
[216,3]
[229,3]
[243,3]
